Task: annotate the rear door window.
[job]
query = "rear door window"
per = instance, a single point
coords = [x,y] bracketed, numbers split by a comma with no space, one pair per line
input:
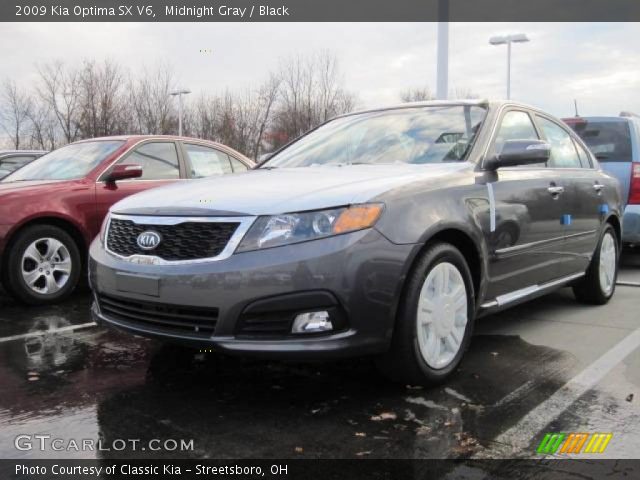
[206,162]
[609,141]
[563,150]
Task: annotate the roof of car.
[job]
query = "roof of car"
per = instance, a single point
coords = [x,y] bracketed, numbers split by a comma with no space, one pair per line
[611,118]
[137,138]
[445,103]
[142,137]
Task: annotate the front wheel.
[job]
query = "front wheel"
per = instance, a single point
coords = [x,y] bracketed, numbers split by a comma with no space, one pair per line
[43,266]
[435,320]
[599,283]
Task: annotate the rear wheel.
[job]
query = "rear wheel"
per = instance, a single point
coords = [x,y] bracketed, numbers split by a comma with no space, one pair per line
[43,265]
[599,283]
[435,320]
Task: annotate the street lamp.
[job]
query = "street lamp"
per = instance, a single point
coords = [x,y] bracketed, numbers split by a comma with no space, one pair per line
[442,84]
[179,93]
[508,40]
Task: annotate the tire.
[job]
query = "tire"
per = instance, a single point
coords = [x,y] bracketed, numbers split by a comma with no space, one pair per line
[408,359]
[53,280]
[597,286]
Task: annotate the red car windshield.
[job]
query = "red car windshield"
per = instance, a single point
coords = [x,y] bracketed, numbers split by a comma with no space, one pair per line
[67,163]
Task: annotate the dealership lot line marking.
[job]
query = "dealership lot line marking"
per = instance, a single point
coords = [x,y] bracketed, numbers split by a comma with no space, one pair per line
[520,435]
[70,328]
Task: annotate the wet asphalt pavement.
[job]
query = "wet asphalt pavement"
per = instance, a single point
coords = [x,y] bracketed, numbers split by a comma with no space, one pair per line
[529,370]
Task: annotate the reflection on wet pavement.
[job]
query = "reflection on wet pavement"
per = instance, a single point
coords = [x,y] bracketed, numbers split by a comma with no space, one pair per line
[97,383]
[16,319]
[126,387]
[246,408]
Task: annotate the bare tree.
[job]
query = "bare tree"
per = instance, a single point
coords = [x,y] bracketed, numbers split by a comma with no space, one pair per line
[416,94]
[311,92]
[60,89]
[43,127]
[101,99]
[463,93]
[268,95]
[150,97]
[15,112]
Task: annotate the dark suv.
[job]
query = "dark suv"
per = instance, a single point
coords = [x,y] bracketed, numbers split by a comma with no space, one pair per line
[383,232]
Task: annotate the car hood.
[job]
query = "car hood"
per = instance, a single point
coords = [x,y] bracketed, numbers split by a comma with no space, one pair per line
[268,192]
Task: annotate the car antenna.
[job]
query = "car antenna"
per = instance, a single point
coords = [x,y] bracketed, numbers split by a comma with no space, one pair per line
[575,105]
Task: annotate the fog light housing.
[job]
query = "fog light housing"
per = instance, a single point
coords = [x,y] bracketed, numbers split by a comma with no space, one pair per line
[312,322]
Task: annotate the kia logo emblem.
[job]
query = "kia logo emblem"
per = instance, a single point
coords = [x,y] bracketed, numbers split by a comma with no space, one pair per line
[148,240]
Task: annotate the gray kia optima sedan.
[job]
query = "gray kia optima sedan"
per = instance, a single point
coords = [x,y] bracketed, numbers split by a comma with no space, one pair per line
[385,232]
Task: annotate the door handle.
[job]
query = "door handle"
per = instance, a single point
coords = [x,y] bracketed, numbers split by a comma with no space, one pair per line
[598,187]
[553,190]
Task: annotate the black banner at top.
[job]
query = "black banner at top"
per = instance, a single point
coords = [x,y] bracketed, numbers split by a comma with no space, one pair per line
[319,10]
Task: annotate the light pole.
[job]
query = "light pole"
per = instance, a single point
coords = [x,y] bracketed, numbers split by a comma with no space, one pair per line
[508,40]
[179,93]
[442,82]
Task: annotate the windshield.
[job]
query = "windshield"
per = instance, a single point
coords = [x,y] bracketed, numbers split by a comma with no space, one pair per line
[609,141]
[66,163]
[417,135]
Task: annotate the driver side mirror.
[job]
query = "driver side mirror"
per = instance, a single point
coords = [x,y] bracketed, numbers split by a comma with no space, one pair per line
[124,171]
[520,152]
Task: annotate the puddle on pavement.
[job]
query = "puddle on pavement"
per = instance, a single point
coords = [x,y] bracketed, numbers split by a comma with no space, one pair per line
[18,319]
[95,382]
[98,382]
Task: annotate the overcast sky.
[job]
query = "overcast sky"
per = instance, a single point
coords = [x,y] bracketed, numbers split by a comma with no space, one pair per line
[597,64]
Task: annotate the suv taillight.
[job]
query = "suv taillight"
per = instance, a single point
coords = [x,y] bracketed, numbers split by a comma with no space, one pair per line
[634,188]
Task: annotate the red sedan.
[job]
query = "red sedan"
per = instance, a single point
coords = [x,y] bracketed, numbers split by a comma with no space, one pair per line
[52,208]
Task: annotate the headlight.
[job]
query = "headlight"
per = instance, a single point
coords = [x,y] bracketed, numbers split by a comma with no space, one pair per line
[277,230]
[103,228]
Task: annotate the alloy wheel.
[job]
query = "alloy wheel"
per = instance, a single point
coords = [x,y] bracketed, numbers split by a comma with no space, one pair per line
[46,266]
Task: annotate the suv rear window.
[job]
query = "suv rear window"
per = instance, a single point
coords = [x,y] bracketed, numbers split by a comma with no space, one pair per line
[609,141]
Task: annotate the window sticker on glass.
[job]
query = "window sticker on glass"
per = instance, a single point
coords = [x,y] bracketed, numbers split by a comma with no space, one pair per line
[207,161]
[205,164]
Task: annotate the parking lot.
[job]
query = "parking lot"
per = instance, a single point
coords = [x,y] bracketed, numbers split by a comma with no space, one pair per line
[548,365]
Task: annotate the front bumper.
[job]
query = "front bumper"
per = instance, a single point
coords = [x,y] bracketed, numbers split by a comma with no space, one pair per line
[357,277]
[631,224]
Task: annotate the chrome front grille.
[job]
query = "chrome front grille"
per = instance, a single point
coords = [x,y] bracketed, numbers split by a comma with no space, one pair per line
[182,239]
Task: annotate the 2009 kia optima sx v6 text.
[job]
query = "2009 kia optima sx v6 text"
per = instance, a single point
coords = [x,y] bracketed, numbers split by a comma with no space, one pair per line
[386,232]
